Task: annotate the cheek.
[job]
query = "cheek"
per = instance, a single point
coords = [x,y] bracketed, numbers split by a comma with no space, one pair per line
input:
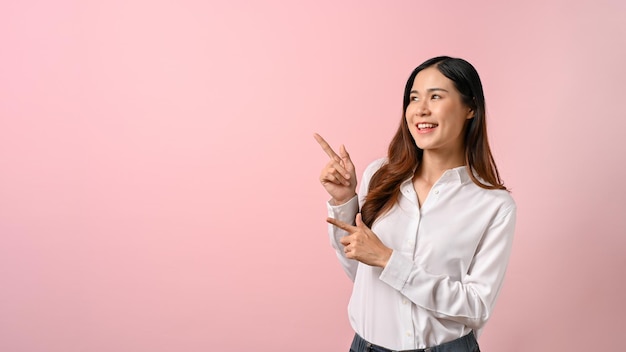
[409,122]
[410,111]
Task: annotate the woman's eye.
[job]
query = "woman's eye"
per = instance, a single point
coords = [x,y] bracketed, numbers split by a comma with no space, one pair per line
[414,98]
[436,96]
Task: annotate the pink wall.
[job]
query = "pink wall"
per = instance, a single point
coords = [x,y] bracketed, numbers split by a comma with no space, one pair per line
[158,175]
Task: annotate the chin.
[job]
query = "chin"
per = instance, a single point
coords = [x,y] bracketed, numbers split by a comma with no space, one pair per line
[420,145]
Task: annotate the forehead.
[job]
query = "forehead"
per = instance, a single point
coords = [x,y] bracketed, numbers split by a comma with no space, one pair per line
[430,78]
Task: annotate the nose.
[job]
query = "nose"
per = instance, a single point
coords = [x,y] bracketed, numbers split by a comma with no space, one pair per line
[422,108]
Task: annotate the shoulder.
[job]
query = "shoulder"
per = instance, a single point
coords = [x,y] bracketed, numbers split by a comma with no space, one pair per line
[502,196]
[370,170]
[496,201]
[500,199]
[375,166]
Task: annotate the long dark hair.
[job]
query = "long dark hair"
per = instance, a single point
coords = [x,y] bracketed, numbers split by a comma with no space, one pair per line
[404,156]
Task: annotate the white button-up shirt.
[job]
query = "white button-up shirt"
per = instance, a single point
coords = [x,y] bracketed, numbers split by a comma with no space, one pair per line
[448,263]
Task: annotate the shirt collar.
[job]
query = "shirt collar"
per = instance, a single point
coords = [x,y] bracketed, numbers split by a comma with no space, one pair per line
[458,174]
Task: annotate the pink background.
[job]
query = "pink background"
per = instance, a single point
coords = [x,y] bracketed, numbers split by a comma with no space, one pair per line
[159,179]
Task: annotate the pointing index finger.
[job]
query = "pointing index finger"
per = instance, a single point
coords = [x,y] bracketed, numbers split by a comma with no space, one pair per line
[342,225]
[327,149]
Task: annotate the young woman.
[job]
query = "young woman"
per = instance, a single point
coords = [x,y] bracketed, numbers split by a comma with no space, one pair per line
[427,240]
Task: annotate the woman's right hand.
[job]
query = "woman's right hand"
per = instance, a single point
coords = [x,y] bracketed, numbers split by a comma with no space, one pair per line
[338,176]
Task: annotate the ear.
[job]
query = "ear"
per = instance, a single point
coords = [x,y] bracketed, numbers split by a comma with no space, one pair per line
[470,111]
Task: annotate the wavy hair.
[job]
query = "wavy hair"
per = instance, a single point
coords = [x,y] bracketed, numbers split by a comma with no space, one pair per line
[404,156]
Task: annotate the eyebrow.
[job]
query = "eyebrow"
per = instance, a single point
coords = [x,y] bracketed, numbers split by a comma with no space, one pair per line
[430,90]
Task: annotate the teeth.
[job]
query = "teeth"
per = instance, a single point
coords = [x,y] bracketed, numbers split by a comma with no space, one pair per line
[426,125]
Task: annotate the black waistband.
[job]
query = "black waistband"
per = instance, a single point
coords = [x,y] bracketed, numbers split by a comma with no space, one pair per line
[466,343]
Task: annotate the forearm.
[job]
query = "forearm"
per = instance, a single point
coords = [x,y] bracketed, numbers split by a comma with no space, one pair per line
[467,297]
[440,294]
[345,212]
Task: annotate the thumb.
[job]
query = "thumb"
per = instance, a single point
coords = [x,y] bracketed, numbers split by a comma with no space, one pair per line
[359,221]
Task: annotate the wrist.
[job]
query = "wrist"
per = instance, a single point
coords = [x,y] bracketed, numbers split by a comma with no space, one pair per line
[342,201]
[385,260]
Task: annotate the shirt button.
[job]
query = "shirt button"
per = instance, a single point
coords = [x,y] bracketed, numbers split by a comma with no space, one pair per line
[436,191]
[405,301]
[408,333]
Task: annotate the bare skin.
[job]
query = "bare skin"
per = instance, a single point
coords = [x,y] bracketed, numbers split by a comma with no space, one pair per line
[338,176]
[436,118]
[362,244]
[339,179]
[435,102]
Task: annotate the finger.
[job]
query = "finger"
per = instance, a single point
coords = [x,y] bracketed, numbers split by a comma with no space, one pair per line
[345,241]
[359,221]
[336,165]
[342,225]
[333,173]
[335,178]
[327,149]
[345,158]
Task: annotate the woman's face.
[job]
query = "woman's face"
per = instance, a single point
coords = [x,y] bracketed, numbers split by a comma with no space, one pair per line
[436,115]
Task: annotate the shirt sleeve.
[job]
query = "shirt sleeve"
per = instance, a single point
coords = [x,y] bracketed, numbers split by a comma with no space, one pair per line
[469,301]
[346,213]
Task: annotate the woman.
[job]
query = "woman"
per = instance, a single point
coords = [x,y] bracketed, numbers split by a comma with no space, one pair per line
[429,248]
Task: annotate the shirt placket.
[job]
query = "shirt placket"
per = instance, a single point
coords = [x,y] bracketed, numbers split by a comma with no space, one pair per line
[408,246]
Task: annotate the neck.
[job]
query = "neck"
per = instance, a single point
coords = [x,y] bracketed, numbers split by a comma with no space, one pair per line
[434,164]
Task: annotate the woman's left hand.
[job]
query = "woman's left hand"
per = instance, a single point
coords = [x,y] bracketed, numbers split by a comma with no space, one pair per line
[362,244]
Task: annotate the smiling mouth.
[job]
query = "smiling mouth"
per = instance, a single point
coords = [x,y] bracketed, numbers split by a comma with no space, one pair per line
[425,126]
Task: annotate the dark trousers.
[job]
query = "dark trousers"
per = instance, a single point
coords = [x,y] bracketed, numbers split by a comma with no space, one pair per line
[466,343]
